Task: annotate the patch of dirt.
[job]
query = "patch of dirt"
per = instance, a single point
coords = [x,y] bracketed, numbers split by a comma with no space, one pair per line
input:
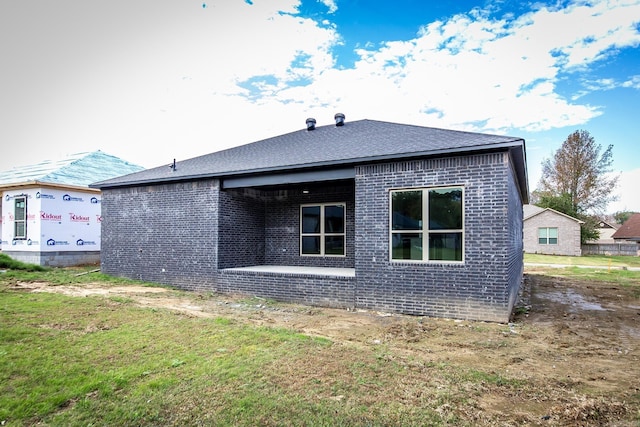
[574,346]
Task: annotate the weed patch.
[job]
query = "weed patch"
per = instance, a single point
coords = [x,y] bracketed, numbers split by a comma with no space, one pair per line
[7,262]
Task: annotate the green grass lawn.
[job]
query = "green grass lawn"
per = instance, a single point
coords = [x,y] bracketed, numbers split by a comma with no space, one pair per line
[82,361]
[79,361]
[588,260]
[610,269]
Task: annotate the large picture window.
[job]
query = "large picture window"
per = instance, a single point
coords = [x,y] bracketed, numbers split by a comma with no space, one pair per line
[427,224]
[322,229]
[548,236]
[20,218]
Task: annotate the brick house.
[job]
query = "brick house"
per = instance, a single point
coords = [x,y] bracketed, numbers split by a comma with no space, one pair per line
[549,232]
[365,214]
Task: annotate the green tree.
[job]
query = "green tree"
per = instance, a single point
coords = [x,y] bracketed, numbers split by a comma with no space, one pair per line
[578,181]
[559,202]
[580,170]
[622,216]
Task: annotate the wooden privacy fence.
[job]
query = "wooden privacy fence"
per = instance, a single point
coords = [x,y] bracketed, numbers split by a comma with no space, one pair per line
[629,249]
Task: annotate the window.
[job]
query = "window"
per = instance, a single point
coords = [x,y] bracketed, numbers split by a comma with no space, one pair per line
[427,224]
[20,218]
[322,229]
[548,236]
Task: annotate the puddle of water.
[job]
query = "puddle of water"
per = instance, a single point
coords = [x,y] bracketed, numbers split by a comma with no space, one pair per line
[573,299]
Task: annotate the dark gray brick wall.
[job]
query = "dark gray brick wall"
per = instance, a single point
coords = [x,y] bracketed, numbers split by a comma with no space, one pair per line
[296,288]
[162,233]
[169,234]
[263,227]
[479,287]
[283,226]
[241,227]
[516,241]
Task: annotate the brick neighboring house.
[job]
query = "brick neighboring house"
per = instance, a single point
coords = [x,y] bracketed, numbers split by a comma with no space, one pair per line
[365,214]
[629,231]
[549,232]
[50,216]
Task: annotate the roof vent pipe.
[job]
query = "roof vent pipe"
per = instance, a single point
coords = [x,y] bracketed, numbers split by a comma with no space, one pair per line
[339,119]
[311,123]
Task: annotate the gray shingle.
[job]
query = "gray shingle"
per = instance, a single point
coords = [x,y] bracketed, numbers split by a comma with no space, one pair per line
[355,142]
[630,230]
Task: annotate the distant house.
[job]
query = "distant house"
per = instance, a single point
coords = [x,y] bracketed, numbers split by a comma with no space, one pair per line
[605,230]
[547,231]
[365,214]
[629,231]
[50,216]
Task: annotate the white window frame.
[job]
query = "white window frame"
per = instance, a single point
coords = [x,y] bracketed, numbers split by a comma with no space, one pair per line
[547,236]
[424,230]
[17,221]
[322,234]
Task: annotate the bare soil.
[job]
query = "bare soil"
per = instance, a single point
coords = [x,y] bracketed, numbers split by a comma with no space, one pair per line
[575,345]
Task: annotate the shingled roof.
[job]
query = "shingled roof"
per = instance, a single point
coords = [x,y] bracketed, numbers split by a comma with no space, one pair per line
[630,230]
[362,141]
[79,170]
[532,210]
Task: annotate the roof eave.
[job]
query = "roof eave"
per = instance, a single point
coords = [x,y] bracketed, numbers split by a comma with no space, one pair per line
[511,145]
[37,183]
[579,221]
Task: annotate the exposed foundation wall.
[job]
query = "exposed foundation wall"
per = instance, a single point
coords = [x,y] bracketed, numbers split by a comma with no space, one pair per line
[313,290]
[56,258]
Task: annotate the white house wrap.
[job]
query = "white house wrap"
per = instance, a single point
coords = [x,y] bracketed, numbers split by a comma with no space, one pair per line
[49,214]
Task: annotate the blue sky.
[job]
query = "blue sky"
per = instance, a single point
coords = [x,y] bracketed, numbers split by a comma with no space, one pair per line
[150,81]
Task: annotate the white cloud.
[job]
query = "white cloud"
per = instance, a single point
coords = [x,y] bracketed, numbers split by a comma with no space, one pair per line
[606,84]
[584,32]
[627,192]
[461,73]
[633,82]
[150,81]
[478,73]
[331,5]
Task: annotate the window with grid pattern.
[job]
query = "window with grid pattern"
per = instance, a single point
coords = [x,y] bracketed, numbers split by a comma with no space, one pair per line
[427,224]
[322,229]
